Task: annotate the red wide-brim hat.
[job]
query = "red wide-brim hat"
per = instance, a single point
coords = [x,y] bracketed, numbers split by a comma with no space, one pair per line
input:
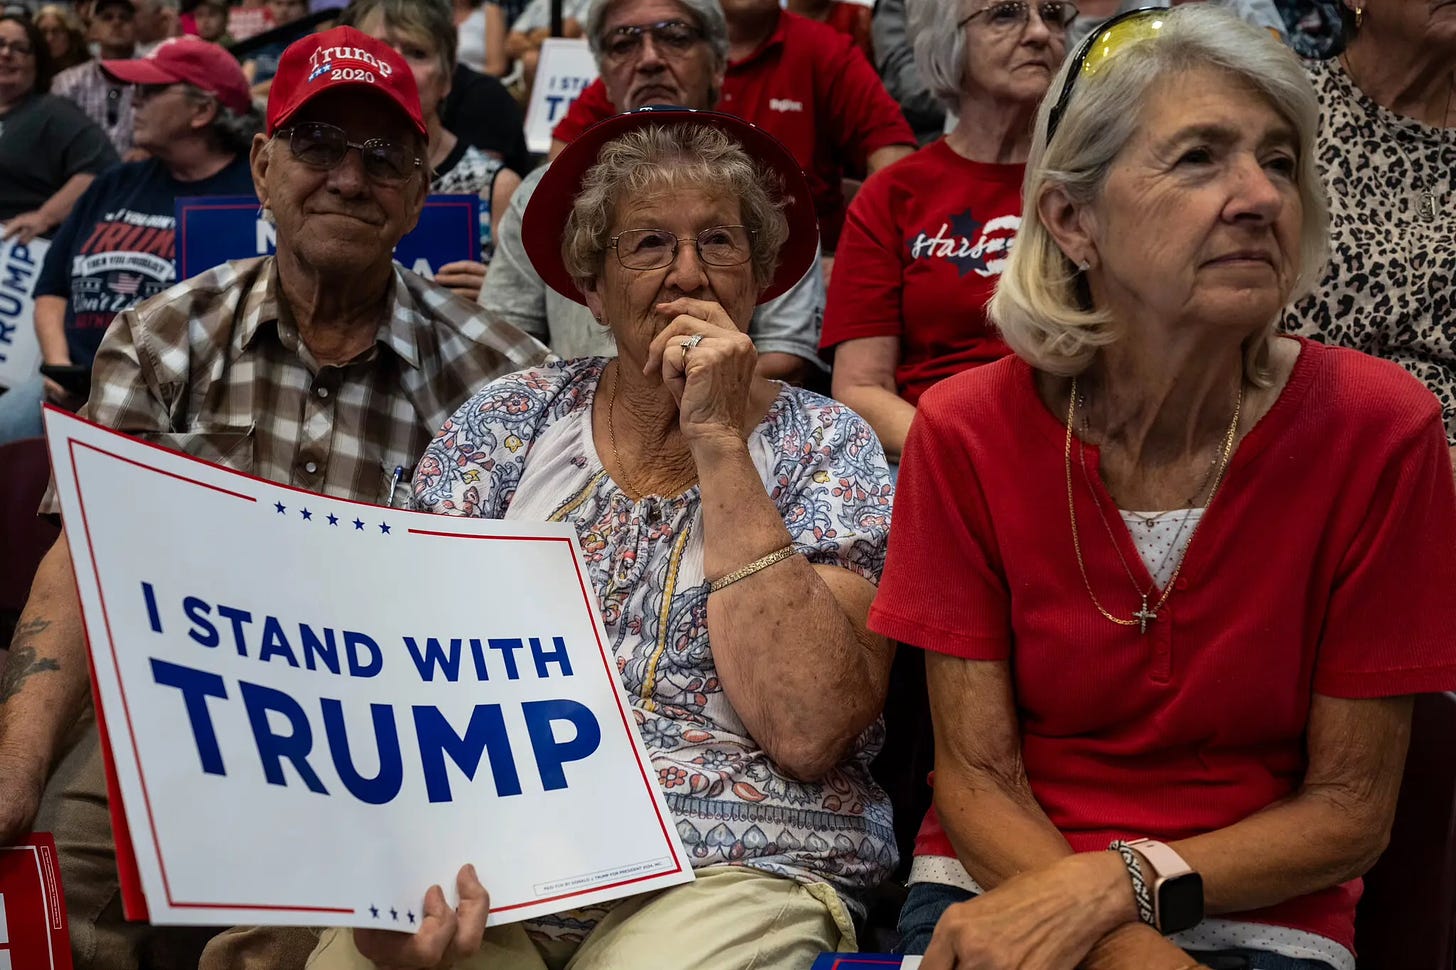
[546,214]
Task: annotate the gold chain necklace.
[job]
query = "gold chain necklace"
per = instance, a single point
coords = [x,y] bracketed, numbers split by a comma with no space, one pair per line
[637,493]
[1143,615]
[612,440]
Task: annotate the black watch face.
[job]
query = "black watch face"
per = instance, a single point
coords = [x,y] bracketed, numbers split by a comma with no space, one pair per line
[1180,903]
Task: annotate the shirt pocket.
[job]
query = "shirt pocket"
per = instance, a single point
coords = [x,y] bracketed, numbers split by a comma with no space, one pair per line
[230,448]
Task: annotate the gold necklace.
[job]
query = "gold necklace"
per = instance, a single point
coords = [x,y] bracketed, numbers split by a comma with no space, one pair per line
[1148,521]
[636,493]
[612,440]
[1143,615]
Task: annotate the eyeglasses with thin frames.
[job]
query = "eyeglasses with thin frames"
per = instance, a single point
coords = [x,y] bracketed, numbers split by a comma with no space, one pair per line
[656,248]
[21,47]
[323,146]
[671,38]
[1012,15]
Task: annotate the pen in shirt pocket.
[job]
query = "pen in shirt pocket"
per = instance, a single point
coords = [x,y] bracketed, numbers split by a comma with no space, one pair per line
[391,483]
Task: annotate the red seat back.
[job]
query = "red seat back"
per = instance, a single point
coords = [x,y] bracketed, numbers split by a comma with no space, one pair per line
[25,469]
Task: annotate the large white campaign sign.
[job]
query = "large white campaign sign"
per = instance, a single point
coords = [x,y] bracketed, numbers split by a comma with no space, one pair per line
[20,264]
[317,708]
[565,69]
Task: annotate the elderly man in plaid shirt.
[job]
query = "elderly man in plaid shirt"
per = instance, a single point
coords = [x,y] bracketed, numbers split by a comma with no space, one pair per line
[327,367]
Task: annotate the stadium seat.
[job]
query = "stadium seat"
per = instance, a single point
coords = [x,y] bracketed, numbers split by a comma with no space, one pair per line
[1407,918]
[24,537]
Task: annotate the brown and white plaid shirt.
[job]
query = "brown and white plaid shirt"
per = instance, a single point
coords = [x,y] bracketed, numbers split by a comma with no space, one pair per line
[214,367]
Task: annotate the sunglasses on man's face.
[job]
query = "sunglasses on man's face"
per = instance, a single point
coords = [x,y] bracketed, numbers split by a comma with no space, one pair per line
[146,92]
[323,146]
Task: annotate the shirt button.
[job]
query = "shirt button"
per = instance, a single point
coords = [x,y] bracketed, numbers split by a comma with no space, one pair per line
[311,467]
[321,391]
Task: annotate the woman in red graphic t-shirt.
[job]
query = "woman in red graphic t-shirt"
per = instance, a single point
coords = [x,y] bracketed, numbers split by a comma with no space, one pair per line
[924,240]
[1177,576]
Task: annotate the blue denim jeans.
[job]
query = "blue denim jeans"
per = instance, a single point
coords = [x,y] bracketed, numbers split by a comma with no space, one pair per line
[928,901]
[20,410]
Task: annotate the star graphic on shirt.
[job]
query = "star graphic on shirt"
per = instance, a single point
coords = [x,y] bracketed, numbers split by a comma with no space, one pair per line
[374,911]
[384,528]
[307,515]
[411,918]
[280,507]
[358,525]
[968,228]
[333,519]
[394,915]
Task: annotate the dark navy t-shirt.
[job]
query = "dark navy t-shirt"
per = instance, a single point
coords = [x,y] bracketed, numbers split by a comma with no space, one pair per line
[116,248]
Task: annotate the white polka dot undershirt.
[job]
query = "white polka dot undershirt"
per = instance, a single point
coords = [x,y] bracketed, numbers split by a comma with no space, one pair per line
[1162,539]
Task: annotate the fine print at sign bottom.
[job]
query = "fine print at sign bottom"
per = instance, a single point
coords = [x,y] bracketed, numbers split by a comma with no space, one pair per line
[316,709]
[589,879]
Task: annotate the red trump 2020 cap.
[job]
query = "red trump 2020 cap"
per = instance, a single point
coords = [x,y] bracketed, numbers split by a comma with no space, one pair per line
[339,58]
[188,60]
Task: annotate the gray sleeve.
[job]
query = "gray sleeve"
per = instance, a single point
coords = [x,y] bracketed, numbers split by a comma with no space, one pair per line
[789,324]
[895,60]
[1260,13]
[513,292]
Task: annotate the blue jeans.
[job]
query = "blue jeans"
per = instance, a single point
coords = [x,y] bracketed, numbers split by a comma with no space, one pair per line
[20,410]
[928,901]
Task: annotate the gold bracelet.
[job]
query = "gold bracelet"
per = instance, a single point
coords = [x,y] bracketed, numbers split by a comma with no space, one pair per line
[778,555]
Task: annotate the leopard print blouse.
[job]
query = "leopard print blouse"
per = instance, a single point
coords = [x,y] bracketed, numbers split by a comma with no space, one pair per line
[1390,287]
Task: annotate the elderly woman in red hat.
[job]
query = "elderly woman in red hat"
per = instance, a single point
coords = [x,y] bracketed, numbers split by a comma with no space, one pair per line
[734,530]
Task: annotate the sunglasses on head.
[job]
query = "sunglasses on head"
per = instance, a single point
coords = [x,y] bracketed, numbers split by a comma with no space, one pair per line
[324,146]
[1103,44]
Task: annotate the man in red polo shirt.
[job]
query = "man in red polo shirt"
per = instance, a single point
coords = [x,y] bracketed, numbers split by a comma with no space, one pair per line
[806,84]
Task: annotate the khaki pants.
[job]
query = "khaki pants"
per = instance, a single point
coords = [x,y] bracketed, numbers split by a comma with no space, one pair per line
[729,918]
[75,810]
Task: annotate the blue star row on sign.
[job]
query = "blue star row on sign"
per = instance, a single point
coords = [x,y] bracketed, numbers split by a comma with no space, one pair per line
[393,914]
[332,519]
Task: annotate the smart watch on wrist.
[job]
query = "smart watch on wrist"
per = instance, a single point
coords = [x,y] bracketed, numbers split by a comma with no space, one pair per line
[1176,889]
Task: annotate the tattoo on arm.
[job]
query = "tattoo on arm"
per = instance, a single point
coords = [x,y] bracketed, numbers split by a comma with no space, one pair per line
[23,661]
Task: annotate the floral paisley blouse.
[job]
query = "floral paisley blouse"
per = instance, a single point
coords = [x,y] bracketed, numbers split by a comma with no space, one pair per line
[522,448]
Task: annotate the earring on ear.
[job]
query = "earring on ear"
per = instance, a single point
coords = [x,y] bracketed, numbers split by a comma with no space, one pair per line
[1084,265]
[1359,17]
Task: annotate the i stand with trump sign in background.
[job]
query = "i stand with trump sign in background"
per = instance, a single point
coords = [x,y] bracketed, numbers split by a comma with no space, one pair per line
[316,709]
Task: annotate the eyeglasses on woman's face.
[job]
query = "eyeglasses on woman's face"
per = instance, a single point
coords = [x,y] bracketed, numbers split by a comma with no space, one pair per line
[656,248]
[323,146]
[1013,15]
[670,37]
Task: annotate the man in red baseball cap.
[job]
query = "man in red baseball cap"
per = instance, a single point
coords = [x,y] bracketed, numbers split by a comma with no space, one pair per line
[187,60]
[340,59]
[192,118]
[320,367]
